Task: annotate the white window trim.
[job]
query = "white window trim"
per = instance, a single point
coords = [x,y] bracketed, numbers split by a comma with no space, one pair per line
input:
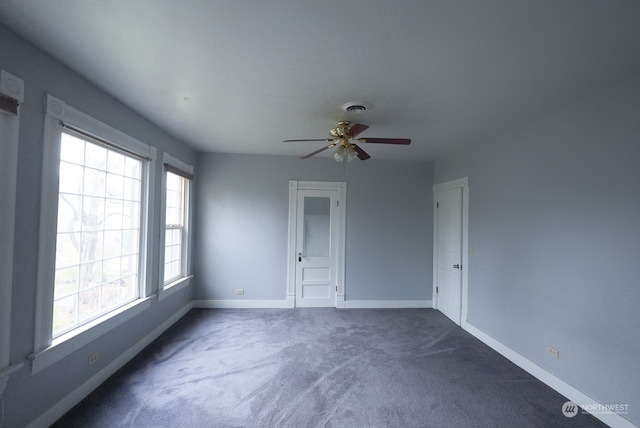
[173,287]
[166,290]
[46,350]
[13,87]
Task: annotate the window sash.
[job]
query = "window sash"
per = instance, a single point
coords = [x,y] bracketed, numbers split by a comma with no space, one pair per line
[85,301]
[170,259]
[172,273]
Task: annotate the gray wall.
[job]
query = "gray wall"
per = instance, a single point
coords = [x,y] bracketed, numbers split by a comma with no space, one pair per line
[242,223]
[26,396]
[554,221]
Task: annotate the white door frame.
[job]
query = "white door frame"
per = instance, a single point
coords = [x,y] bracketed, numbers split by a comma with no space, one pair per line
[453,184]
[341,188]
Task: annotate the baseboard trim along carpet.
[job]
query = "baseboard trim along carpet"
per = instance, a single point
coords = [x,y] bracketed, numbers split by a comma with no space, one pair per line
[283,304]
[387,304]
[573,394]
[67,403]
[240,304]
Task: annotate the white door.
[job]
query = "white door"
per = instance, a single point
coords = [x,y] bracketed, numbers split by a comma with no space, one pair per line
[448,251]
[316,248]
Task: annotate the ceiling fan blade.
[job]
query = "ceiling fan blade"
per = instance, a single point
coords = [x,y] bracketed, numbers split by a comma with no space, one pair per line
[362,155]
[317,151]
[404,141]
[312,139]
[356,129]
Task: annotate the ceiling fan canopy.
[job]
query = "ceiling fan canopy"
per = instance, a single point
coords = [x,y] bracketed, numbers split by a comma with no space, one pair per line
[342,135]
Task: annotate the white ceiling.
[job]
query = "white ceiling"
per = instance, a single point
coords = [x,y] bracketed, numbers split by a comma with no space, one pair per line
[241,76]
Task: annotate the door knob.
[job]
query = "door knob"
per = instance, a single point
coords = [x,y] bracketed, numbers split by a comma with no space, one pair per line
[456,266]
[299,257]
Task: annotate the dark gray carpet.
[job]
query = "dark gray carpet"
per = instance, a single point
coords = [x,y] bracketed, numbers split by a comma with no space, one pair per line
[320,368]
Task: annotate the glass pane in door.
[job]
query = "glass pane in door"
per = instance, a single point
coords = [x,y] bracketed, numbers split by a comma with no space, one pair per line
[317,226]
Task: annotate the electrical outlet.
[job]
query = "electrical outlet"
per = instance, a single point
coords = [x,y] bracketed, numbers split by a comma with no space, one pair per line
[240,291]
[93,358]
[553,352]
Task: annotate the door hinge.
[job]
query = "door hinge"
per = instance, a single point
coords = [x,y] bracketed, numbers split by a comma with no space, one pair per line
[436,290]
[437,204]
[336,288]
[338,203]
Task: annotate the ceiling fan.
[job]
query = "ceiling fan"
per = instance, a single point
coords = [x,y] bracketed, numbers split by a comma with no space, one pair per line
[342,135]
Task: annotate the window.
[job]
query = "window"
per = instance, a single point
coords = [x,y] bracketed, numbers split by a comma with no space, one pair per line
[178,178]
[174,229]
[98,231]
[95,208]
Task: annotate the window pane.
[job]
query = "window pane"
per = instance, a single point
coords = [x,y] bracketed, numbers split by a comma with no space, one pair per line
[66,282]
[132,168]
[89,303]
[115,162]
[115,186]
[92,213]
[317,221]
[98,236]
[90,275]
[128,288]
[131,189]
[67,250]
[69,212]
[94,182]
[72,149]
[71,178]
[91,246]
[95,156]
[113,214]
[110,294]
[65,312]
[131,215]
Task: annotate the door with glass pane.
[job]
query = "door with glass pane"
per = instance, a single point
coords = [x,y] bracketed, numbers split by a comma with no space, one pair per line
[316,248]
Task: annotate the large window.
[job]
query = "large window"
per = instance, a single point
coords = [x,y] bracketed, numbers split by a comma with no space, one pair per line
[98,231]
[176,236]
[93,267]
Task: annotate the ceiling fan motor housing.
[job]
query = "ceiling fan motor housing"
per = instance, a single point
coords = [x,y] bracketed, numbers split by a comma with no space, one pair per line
[342,130]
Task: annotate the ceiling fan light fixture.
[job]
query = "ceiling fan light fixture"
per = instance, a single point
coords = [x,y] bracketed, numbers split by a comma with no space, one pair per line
[357,107]
[350,154]
[343,153]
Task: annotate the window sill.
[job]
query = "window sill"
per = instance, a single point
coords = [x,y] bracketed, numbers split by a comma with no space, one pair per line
[68,343]
[174,287]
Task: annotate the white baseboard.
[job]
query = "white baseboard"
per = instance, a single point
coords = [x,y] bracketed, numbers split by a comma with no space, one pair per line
[578,397]
[387,304]
[63,406]
[241,304]
[283,304]
[291,300]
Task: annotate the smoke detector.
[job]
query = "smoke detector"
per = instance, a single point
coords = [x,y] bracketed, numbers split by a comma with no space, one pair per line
[355,107]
